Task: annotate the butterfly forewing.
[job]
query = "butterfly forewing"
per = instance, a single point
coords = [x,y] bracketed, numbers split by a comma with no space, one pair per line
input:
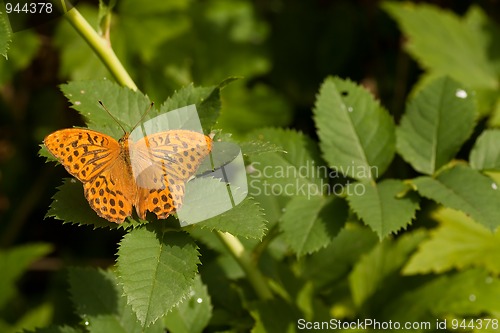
[83,153]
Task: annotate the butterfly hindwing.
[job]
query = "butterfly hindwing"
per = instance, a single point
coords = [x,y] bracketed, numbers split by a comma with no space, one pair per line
[110,194]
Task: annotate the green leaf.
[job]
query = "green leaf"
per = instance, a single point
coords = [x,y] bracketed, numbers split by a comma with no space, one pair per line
[328,265]
[245,220]
[5,34]
[435,125]
[385,259]
[22,51]
[156,268]
[99,301]
[466,190]
[193,314]
[310,224]
[356,133]
[225,296]
[459,243]
[207,102]
[126,105]
[299,172]
[39,316]
[250,148]
[129,106]
[380,207]
[471,293]
[207,198]
[485,155]
[14,262]
[465,56]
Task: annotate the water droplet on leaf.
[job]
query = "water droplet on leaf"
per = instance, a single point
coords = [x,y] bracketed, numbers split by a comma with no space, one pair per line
[460,93]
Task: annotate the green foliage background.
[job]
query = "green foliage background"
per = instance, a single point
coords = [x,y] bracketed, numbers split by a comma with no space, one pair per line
[369,131]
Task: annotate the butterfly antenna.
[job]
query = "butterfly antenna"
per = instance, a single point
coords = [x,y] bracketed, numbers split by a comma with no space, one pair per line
[144,115]
[119,124]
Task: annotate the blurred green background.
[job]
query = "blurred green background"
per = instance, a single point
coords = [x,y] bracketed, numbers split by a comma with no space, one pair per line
[282,49]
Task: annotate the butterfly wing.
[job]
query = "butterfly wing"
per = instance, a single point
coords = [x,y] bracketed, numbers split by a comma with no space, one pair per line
[84,153]
[161,164]
[111,193]
[96,160]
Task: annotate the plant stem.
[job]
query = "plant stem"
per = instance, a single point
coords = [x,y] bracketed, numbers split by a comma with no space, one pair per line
[101,47]
[257,280]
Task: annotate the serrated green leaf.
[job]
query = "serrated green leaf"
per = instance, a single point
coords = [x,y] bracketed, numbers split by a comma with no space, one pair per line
[485,155]
[157,269]
[298,172]
[193,314]
[328,265]
[429,28]
[207,100]
[383,260]
[40,316]
[310,224]
[249,148]
[126,105]
[5,34]
[246,220]
[459,243]
[435,125]
[13,262]
[226,300]
[99,301]
[130,106]
[206,198]
[380,207]
[356,133]
[466,190]
[471,293]
[22,51]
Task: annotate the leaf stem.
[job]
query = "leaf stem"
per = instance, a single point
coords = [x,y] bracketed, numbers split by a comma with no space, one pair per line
[237,250]
[101,47]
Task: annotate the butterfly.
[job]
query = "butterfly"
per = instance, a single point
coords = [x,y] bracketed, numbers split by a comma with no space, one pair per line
[149,174]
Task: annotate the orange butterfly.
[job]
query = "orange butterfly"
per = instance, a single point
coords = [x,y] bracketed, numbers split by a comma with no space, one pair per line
[149,174]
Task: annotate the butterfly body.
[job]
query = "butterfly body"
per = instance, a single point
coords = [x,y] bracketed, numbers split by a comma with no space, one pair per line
[149,174]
